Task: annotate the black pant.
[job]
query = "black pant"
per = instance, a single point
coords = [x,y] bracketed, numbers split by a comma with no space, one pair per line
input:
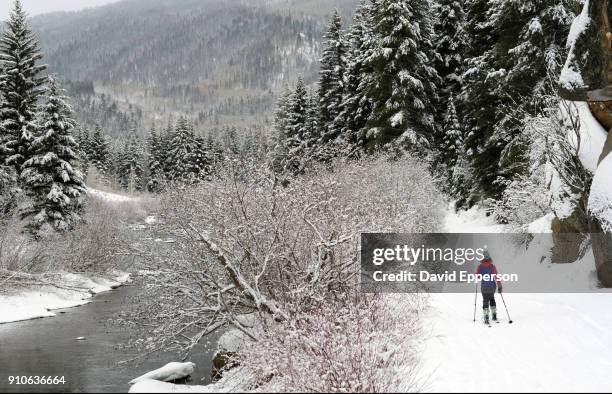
[488,298]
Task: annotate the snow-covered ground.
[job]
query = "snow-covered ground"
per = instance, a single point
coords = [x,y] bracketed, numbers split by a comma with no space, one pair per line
[110,197]
[71,290]
[473,220]
[557,342]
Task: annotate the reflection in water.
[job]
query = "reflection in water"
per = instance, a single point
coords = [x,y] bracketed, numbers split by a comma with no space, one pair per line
[47,347]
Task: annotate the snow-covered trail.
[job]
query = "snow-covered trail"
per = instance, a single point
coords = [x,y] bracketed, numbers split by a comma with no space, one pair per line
[558,342]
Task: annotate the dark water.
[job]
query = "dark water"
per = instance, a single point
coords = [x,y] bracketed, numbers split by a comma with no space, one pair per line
[47,347]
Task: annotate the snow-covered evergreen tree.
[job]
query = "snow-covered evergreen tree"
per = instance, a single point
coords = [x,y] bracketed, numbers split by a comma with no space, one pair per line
[156,177]
[183,153]
[314,145]
[356,106]
[165,141]
[449,48]
[54,186]
[480,102]
[131,166]
[297,129]
[401,81]
[281,119]
[331,76]
[230,139]
[451,144]
[530,46]
[83,141]
[201,160]
[99,152]
[21,86]
[513,47]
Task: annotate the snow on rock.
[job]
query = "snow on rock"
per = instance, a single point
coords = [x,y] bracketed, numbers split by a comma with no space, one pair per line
[474,220]
[94,285]
[167,373]
[600,198]
[111,197]
[233,341]
[77,290]
[541,225]
[592,137]
[571,78]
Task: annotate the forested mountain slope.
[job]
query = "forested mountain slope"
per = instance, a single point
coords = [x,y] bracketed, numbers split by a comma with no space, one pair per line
[220,61]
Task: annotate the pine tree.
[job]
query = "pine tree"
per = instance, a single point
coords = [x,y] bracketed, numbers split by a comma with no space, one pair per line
[281,119]
[200,157]
[400,81]
[165,141]
[356,107]
[296,129]
[230,137]
[513,47]
[83,146]
[183,153]
[156,179]
[451,144]
[449,50]
[21,87]
[480,102]
[530,48]
[313,144]
[449,47]
[54,186]
[131,167]
[331,76]
[99,152]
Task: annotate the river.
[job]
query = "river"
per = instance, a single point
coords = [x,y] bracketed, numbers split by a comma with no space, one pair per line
[48,347]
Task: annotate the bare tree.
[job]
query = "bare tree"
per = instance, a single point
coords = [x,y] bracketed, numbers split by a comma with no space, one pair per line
[244,244]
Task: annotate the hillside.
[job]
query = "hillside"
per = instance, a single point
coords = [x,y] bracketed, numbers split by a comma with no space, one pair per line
[221,62]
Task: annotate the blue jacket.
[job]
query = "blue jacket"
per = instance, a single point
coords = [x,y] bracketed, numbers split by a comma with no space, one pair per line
[487,267]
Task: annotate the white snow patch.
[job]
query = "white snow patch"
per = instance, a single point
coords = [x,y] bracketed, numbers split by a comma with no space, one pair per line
[397,119]
[550,331]
[41,301]
[111,197]
[474,220]
[592,137]
[169,372]
[600,198]
[553,344]
[571,78]
[541,225]
[233,341]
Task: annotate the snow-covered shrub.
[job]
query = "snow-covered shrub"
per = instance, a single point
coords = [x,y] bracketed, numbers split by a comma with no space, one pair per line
[244,243]
[100,243]
[102,240]
[365,343]
[18,253]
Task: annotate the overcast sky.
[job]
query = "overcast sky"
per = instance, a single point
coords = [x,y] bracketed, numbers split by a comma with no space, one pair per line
[35,7]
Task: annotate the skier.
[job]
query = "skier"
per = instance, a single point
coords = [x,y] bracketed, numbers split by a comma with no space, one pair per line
[487,287]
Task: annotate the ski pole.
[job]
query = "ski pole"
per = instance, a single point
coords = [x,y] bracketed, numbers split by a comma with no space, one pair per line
[475,297]
[508,313]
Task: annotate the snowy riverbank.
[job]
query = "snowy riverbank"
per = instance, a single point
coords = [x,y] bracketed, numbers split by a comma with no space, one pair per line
[62,290]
